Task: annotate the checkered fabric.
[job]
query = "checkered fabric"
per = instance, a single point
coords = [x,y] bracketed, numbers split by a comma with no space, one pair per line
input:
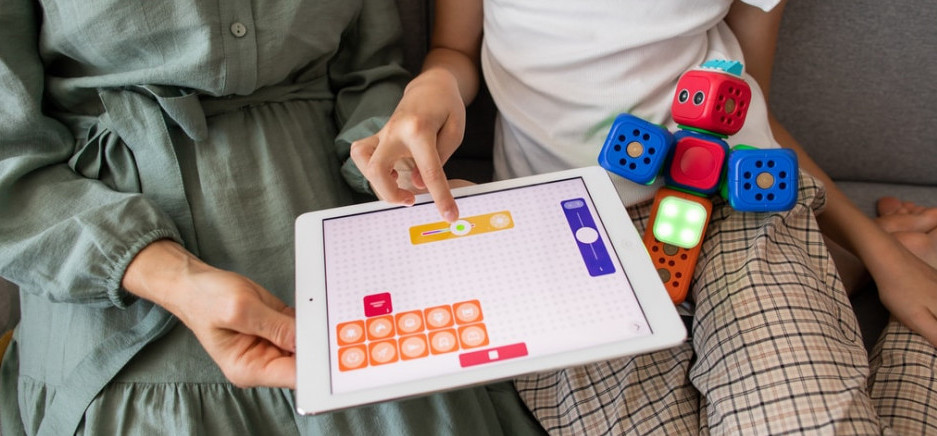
[775,349]
[903,386]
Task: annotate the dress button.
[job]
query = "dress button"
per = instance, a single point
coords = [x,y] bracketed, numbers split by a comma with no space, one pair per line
[238,29]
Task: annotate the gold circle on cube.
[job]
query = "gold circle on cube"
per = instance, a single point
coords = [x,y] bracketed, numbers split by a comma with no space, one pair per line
[730,106]
[671,250]
[765,180]
[635,149]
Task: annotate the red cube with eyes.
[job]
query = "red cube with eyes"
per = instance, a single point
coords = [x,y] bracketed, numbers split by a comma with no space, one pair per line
[711,100]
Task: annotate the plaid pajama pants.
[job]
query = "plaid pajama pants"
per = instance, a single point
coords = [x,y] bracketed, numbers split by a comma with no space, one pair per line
[775,349]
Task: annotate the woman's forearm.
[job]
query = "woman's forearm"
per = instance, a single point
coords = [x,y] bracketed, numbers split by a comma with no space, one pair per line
[156,273]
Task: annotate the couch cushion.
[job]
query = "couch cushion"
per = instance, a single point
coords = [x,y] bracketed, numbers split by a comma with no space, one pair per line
[9,306]
[854,82]
[865,194]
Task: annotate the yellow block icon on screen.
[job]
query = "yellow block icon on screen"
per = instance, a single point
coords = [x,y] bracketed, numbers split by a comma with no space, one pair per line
[473,225]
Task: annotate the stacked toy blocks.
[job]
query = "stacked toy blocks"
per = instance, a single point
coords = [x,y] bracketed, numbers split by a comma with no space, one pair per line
[710,103]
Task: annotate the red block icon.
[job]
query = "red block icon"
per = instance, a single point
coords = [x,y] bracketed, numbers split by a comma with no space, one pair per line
[377,304]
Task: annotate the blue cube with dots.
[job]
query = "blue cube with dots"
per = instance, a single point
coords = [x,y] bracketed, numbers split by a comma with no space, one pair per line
[635,149]
[762,180]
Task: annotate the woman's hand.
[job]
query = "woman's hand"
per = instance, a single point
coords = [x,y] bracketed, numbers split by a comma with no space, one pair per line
[423,132]
[245,329]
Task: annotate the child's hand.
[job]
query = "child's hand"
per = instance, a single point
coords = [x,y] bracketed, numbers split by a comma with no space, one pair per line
[908,284]
[908,288]
[424,131]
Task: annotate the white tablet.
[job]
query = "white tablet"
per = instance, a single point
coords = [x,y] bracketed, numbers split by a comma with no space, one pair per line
[538,273]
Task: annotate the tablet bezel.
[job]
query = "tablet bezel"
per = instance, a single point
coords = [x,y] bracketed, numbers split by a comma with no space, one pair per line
[313,380]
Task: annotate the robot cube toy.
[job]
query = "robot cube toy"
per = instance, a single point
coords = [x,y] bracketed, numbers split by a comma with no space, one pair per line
[674,265]
[710,103]
[635,149]
[762,180]
[679,218]
[711,99]
[673,238]
[697,162]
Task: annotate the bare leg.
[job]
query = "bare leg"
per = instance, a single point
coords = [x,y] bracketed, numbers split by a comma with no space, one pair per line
[913,225]
[851,270]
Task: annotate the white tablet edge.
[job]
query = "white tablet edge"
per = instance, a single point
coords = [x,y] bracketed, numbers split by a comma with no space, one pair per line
[313,383]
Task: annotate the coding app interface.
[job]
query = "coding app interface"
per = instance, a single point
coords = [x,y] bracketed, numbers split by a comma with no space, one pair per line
[524,272]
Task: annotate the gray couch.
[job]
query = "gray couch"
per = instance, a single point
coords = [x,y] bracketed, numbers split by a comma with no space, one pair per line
[853,82]
[856,82]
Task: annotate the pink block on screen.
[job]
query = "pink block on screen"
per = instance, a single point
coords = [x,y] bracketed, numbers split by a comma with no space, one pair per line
[377,304]
[493,354]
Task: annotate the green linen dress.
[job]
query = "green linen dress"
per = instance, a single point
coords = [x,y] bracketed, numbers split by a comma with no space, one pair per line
[213,123]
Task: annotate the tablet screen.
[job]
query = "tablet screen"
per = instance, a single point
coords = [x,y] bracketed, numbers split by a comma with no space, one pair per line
[525,272]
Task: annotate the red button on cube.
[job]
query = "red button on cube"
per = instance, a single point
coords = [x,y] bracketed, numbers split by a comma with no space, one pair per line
[697,162]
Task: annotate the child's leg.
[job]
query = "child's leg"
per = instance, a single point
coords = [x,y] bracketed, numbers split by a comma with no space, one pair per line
[779,349]
[903,385]
[645,394]
[851,269]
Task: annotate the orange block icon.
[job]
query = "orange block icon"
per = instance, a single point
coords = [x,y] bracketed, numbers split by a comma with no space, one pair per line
[439,317]
[383,352]
[443,341]
[473,336]
[380,327]
[467,312]
[413,347]
[350,332]
[353,357]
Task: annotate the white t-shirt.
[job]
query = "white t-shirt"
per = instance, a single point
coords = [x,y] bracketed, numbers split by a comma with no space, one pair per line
[560,71]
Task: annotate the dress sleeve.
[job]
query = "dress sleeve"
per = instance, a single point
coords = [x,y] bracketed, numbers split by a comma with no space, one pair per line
[368,79]
[62,236]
